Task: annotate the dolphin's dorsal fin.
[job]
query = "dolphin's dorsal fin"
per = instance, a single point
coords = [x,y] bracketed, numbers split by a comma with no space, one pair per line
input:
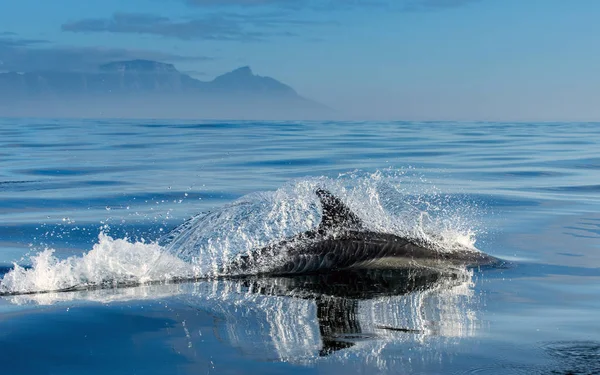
[336,215]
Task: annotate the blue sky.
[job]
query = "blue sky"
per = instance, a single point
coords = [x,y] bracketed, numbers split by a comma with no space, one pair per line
[400,59]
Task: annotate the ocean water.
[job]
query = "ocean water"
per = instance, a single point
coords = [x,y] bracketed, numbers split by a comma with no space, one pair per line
[93,278]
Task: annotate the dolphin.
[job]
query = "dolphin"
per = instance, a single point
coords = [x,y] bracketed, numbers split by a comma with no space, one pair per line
[342,242]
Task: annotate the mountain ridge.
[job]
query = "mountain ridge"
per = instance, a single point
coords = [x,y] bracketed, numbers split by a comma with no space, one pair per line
[159,84]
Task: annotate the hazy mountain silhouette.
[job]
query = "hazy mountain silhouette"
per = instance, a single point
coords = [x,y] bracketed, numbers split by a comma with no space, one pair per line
[144,88]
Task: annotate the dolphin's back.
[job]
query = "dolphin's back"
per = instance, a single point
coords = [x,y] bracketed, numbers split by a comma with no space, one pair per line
[309,253]
[342,242]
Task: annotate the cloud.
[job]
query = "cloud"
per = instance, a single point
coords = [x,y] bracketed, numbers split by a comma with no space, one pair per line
[212,28]
[223,26]
[240,2]
[425,5]
[8,38]
[319,5]
[271,18]
[291,4]
[31,55]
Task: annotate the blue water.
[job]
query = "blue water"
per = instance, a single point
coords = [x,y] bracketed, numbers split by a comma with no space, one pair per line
[84,201]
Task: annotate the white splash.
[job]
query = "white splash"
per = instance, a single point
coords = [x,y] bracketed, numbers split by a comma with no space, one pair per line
[387,201]
[380,199]
[110,263]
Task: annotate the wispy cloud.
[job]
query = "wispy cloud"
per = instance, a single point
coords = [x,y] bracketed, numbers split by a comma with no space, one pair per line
[19,54]
[10,39]
[399,5]
[291,4]
[212,28]
[223,26]
[241,2]
[268,19]
[428,5]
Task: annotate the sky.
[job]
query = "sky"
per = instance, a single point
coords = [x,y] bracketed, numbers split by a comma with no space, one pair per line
[497,60]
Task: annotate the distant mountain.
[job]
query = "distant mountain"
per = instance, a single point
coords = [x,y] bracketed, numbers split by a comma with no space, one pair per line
[144,88]
[243,80]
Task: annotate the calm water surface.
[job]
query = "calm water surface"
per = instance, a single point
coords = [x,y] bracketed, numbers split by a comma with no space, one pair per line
[529,192]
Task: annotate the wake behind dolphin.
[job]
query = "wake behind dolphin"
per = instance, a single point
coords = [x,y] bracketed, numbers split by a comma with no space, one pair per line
[342,242]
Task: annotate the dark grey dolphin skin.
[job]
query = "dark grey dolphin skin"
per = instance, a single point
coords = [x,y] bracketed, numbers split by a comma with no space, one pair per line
[341,242]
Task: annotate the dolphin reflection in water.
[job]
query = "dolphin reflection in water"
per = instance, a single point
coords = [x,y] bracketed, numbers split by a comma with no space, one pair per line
[364,321]
[301,318]
[352,306]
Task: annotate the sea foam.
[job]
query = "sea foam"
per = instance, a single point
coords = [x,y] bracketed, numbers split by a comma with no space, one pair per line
[110,263]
